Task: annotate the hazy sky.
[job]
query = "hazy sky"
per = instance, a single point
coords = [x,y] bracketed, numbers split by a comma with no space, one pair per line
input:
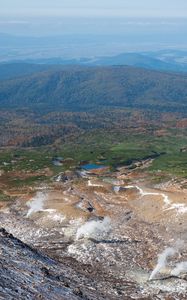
[159,22]
[94,8]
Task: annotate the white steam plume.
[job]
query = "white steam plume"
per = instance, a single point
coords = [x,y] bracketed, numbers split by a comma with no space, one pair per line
[180,268]
[94,229]
[162,261]
[36,203]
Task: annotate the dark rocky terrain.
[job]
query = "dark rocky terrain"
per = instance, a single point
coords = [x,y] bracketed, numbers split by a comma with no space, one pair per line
[28,274]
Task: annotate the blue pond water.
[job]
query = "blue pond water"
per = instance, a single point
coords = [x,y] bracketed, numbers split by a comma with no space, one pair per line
[92,166]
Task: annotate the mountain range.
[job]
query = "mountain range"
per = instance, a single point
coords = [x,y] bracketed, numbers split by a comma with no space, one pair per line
[79,88]
[61,50]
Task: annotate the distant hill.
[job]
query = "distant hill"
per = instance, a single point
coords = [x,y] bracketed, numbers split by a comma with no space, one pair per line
[90,50]
[13,70]
[88,88]
[140,60]
[160,61]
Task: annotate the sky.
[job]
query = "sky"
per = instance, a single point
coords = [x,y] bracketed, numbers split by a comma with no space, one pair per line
[94,8]
[43,17]
[154,22]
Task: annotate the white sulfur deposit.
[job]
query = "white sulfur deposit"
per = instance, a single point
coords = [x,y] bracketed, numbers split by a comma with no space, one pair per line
[94,184]
[116,188]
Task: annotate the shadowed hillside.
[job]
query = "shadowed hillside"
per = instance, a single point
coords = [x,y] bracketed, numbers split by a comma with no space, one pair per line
[29,274]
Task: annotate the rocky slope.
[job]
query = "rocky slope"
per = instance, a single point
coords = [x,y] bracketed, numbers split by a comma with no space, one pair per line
[28,274]
[103,236]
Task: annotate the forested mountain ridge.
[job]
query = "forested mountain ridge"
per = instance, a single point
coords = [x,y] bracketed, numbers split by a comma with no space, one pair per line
[85,88]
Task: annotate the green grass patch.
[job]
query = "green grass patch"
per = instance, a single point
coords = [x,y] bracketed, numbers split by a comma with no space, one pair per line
[172,163]
[30,181]
[4,197]
[115,148]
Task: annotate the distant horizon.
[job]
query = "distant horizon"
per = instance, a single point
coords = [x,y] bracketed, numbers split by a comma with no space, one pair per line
[72,45]
[93,9]
[92,28]
[95,26]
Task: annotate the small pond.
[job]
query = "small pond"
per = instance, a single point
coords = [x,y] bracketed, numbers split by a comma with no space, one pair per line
[88,167]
